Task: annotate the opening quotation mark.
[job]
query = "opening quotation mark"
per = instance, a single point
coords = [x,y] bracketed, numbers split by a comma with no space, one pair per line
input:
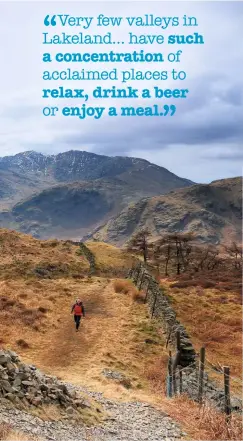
[50,21]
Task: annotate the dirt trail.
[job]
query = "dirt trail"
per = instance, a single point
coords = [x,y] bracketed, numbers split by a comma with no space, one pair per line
[78,356]
[68,345]
[111,336]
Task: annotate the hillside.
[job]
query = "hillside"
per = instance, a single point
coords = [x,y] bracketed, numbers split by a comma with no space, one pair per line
[39,282]
[70,210]
[199,308]
[31,172]
[25,257]
[16,185]
[212,212]
[118,359]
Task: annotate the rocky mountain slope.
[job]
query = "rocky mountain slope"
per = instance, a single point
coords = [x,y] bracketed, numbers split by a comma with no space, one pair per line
[70,194]
[212,212]
[70,210]
[16,185]
[29,172]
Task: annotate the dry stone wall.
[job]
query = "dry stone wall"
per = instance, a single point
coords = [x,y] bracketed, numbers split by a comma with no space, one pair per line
[89,256]
[26,386]
[161,308]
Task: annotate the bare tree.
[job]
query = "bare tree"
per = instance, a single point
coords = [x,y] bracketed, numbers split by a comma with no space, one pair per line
[205,258]
[180,244]
[139,244]
[162,254]
[156,256]
[235,253]
[174,249]
[186,248]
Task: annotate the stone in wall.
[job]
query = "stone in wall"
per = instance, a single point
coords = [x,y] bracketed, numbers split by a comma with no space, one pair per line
[25,385]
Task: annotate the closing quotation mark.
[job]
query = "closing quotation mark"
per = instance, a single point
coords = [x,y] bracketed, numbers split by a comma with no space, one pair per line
[50,22]
[171,108]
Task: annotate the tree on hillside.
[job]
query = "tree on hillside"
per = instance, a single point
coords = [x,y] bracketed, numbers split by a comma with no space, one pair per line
[205,258]
[173,249]
[157,256]
[139,244]
[183,242]
[235,253]
[162,252]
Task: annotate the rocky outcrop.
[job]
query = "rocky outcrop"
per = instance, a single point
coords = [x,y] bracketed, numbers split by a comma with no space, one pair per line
[206,210]
[25,385]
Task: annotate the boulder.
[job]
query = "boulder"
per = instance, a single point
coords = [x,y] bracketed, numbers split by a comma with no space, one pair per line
[28,383]
[83,404]
[3,376]
[12,397]
[10,367]
[64,388]
[17,381]
[20,394]
[4,358]
[6,386]
[44,387]
[36,401]
[13,355]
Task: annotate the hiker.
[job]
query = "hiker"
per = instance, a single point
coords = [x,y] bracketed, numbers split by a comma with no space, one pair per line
[78,311]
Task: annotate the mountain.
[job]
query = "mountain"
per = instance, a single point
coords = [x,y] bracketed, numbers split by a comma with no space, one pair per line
[70,210]
[213,212]
[16,185]
[78,194]
[40,171]
[72,193]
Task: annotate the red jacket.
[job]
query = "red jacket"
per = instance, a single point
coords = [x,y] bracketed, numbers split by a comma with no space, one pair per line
[78,309]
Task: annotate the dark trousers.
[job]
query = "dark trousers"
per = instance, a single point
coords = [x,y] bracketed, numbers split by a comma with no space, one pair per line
[77,319]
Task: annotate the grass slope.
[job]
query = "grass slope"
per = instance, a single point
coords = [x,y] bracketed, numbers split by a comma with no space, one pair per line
[39,281]
[214,320]
[117,333]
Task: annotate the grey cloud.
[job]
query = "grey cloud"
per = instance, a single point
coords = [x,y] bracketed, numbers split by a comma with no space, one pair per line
[20,111]
[228,157]
[234,95]
[199,121]
[209,118]
[226,153]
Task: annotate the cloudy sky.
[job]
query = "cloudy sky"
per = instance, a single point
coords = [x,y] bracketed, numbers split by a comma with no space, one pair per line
[203,141]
